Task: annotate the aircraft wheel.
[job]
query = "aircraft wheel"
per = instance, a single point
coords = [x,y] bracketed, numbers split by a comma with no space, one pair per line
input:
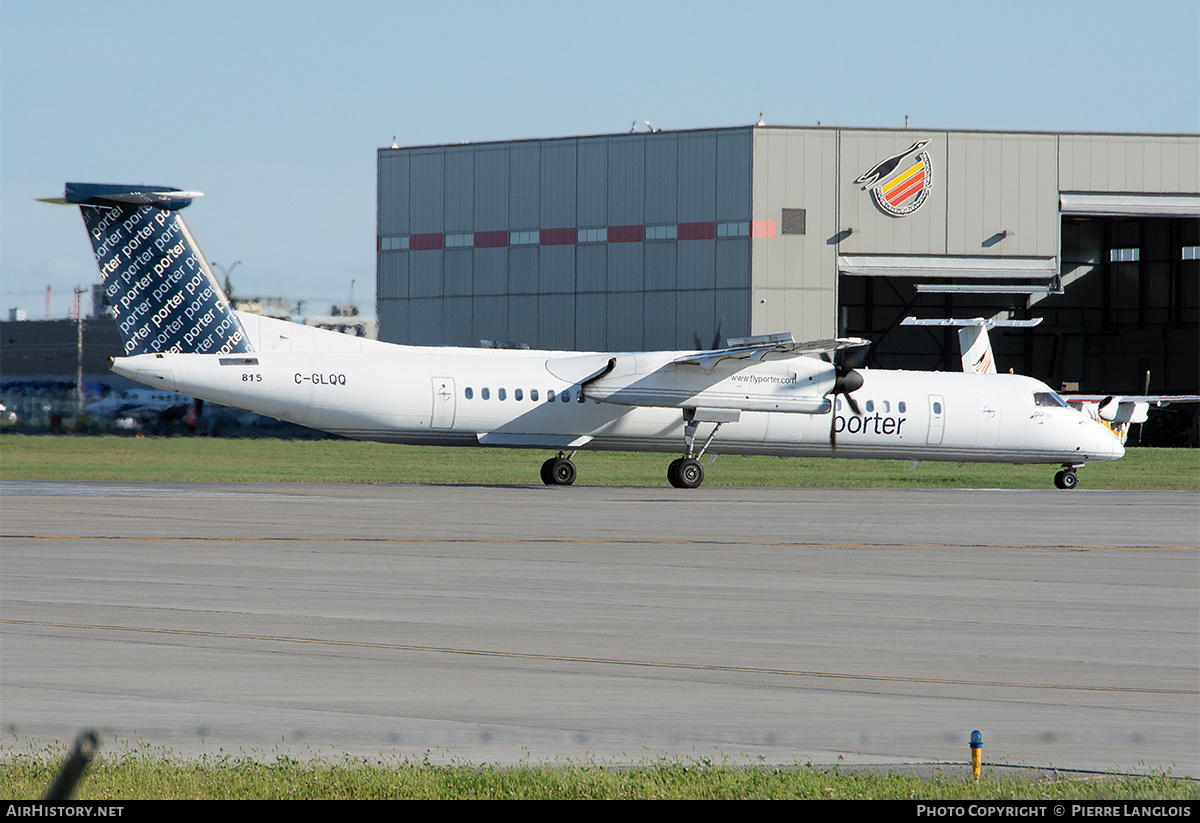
[1066,479]
[558,471]
[685,473]
[673,472]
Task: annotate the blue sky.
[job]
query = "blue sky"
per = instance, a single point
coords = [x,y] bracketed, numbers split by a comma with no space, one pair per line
[275,109]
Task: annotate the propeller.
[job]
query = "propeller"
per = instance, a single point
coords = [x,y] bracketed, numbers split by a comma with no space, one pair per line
[847,381]
[716,343]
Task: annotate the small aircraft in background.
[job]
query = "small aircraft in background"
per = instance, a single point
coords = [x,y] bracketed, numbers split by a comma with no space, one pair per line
[766,394]
[1114,412]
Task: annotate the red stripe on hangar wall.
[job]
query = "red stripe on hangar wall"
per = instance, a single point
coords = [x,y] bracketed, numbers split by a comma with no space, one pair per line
[557,237]
[626,234]
[697,231]
[427,242]
[491,239]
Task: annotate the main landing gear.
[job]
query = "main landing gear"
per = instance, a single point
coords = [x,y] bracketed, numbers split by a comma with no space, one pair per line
[1066,479]
[686,472]
[559,470]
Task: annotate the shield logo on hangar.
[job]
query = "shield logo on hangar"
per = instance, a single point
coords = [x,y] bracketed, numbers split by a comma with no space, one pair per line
[900,184]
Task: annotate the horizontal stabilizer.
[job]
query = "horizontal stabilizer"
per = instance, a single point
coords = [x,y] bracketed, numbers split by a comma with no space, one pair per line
[973,321]
[106,194]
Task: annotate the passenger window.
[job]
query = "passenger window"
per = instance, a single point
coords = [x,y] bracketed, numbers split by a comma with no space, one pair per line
[937,408]
[565,397]
[533,395]
[902,407]
[501,394]
[581,397]
[518,394]
[887,406]
[469,392]
[870,405]
[550,396]
[485,393]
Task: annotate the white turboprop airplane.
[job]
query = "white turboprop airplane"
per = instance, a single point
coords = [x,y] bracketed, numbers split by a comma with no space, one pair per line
[1114,412]
[759,395]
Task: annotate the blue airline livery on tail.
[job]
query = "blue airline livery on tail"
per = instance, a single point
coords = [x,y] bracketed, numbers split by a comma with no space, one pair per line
[765,395]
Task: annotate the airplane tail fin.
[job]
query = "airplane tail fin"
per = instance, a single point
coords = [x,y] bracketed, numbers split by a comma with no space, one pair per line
[976,349]
[161,289]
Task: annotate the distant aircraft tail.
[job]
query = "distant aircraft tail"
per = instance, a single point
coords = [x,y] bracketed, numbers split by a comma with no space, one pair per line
[974,344]
[161,289]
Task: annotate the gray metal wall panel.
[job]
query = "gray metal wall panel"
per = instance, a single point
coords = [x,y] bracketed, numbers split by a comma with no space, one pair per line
[425,274]
[558,184]
[733,313]
[658,321]
[591,175]
[697,177]
[659,274]
[695,315]
[1000,182]
[794,169]
[392,283]
[591,267]
[489,319]
[732,263]
[556,270]
[624,311]
[524,186]
[458,272]
[426,193]
[425,324]
[1149,164]
[733,175]
[460,190]
[625,267]
[697,265]
[523,270]
[458,323]
[491,189]
[522,319]
[491,271]
[393,320]
[393,193]
[662,178]
[626,181]
[556,322]
[591,322]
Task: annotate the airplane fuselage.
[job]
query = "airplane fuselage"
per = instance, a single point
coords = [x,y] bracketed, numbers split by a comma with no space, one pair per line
[521,398]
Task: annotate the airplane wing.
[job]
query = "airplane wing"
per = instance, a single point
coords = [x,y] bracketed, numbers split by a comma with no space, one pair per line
[1126,408]
[762,347]
[765,373]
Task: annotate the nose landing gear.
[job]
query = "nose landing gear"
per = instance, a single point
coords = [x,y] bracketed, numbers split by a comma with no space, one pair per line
[1066,479]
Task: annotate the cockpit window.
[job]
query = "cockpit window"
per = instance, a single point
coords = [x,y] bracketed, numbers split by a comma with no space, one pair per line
[1048,398]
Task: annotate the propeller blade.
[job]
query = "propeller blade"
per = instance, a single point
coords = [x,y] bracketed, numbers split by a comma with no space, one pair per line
[833,426]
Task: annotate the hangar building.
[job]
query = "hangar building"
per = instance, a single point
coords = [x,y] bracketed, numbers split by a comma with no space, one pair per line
[676,240]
